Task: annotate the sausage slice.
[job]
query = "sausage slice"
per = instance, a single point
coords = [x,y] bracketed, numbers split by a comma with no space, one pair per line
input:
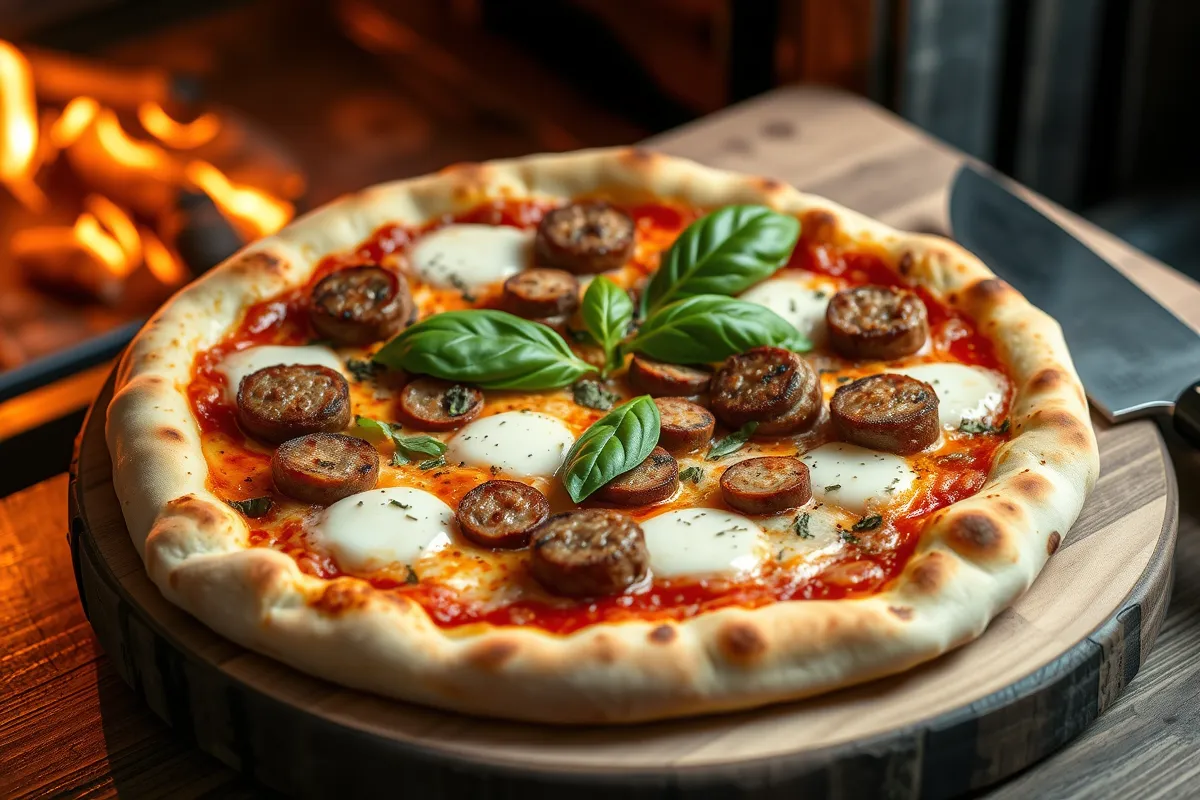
[652,481]
[282,402]
[502,514]
[804,412]
[756,385]
[585,238]
[537,293]
[322,468]
[685,426]
[667,380]
[880,323]
[888,412]
[437,405]
[361,305]
[766,485]
[589,553]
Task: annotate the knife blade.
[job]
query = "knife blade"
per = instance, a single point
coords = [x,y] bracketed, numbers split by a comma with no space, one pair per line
[1135,358]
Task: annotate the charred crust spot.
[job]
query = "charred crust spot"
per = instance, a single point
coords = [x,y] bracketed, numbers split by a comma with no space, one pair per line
[663,634]
[1053,542]
[987,290]
[770,185]
[818,227]
[930,573]
[741,642]
[194,508]
[906,263]
[1047,380]
[1008,507]
[261,261]
[170,434]
[1071,432]
[1031,485]
[636,154]
[493,654]
[605,649]
[976,533]
[903,612]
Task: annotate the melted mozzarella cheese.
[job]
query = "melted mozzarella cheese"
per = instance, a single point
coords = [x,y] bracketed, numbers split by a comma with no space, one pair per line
[471,256]
[801,304]
[963,392]
[519,443]
[372,530]
[242,363]
[854,477]
[699,541]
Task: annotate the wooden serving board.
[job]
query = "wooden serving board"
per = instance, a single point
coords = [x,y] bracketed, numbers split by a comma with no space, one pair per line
[1044,669]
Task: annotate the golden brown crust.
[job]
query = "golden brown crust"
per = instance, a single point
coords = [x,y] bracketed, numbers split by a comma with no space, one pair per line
[972,560]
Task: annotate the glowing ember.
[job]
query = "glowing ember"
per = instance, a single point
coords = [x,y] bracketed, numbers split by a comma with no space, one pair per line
[19,128]
[181,136]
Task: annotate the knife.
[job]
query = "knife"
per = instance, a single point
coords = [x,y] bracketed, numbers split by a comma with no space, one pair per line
[1135,358]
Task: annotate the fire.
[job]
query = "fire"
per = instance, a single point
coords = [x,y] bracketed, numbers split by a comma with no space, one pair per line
[164,266]
[19,129]
[130,153]
[178,135]
[121,228]
[73,121]
[256,209]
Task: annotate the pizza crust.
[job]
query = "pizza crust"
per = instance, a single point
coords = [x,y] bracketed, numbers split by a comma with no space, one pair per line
[974,558]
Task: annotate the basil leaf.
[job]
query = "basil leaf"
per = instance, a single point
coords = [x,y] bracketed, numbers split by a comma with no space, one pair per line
[979,426]
[385,429]
[253,507]
[869,523]
[613,445]
[693,474]
[408,448]
[491,349]
[725,252]
[731,443]
[440,461]
[607,313]
[709,328]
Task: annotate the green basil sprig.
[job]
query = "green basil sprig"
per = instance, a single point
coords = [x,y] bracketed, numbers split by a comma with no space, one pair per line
[710,327]
[607,313]
[491,349]
[613,445]
[407,448]
[724,252]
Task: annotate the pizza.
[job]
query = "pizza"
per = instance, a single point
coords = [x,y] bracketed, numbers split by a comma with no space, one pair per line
[597,437]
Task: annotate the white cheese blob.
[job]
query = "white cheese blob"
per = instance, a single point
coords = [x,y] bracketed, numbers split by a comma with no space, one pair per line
[854,477]
[379,528]
[701,541]
[800,304]
[469,256]
[524,444]
[244,362]
[963,392]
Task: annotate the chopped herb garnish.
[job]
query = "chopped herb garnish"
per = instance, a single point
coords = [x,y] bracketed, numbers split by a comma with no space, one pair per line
[254,507]
[433,462]
[320,342]
[693,474]
[362,370]
[411,576]
[979,426]
[848,538]
[399,459]
[844,378]
[868,523]
[800,526]
[732,443]
[591,394]
[779,555]
[457,400]
[410,516]
[408,448]
[833,487]
[398,504]
[461,285]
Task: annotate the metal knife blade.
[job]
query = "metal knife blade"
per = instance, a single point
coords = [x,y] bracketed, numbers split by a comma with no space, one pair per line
[1134,356]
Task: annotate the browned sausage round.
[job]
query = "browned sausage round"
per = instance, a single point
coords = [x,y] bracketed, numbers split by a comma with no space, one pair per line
[436,405]
[667,380]
[589,553]
[502,514]
[585,238]
[282,402]
[322,468]
[804,413]
[652,481]
[360,305]
[684,426]
[876,322]
[756,385]
[888,412]
[766,485]
[538,293]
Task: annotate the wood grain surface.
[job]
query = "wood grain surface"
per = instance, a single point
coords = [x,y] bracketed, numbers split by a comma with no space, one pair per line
[68,725]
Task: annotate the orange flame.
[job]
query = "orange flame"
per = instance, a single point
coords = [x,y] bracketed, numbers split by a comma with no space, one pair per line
[163,265]
[179,135]
[117,224]
[92,237]
[18,129]
[255,209]
[141,156]
[73,121]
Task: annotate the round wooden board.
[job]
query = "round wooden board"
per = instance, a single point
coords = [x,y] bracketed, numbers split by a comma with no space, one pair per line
[1042,672]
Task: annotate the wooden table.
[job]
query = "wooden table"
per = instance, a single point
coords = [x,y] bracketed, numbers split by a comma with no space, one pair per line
[69,726]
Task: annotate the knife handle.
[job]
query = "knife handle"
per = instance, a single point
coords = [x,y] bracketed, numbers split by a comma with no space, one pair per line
[1187,414]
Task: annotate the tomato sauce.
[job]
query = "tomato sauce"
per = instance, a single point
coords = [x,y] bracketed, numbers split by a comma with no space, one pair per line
[956,474]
